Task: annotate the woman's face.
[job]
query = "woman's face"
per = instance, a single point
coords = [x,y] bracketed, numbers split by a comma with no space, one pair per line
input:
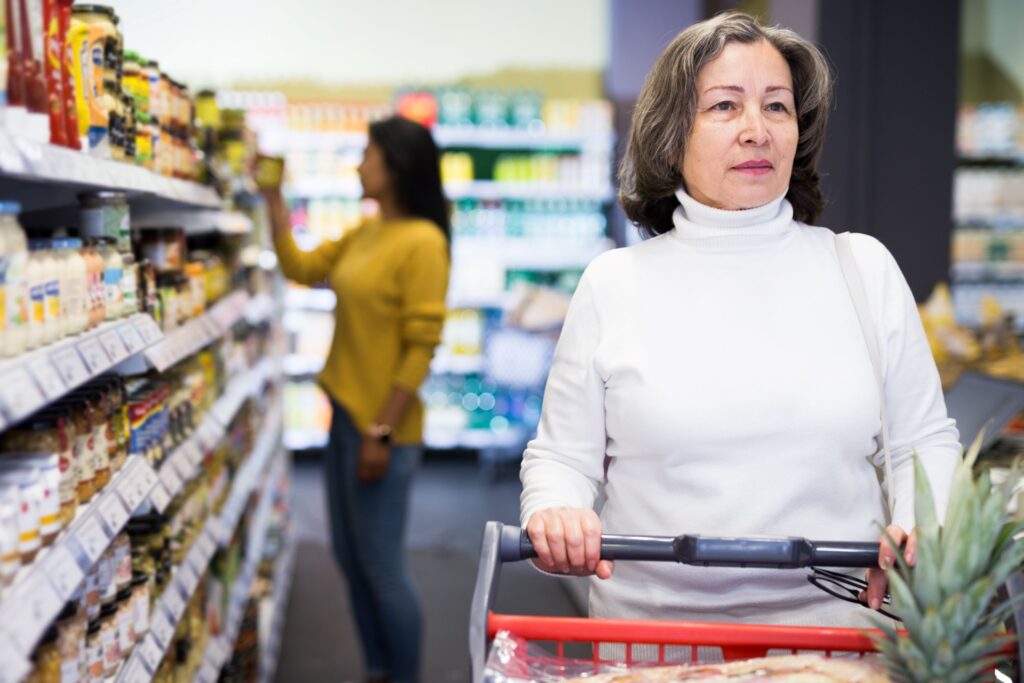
[373,173]
[740,152]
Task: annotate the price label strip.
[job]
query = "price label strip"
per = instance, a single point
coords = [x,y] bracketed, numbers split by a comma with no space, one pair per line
[160,497]
[192,453]
[47,377]
[135,670]
[35,606]
[70,366]
[148,330]
[173,601]
[19,393]
[115,348]
[181,463]
[61,568]
[96,359]
[113,512]
[93,539]
[170,479]
[132,339]
[189,578]
[161,628]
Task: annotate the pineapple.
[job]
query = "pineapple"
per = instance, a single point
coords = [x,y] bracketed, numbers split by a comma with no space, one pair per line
[948,599]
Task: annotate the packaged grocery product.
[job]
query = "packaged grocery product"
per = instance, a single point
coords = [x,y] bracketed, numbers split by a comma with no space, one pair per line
[33,53]
[130,285]
[47,467]
[74,285]
[15,281]
[15,85]
[71,628]
[94,652]
[97,288]
[113,274]
[79,64]
[105,214]
[44,293]
[83,447]
[29,496]
[46,658]
[93,402]
[10,557]
[101,39]
[54,327]
[72,137]
[165,248]
[36,279]
[91,593]
[140,605]
[43,434]
[125,622]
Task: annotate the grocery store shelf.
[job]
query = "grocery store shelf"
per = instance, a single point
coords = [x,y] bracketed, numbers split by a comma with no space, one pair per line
[519,138]
[474,438]
[315,188]
[196,222]
[302,366]
[46,175]
[323,300]
[146,658]
[981,272]
[220,648]
[1002,158]
[279,602]
[529,254]
[41,589]
[260,309]
[186,340]
[454,364]
[304,439]
[495,190]
[35,378]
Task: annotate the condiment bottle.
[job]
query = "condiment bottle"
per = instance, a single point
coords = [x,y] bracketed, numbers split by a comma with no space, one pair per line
[16,303]
[74,286]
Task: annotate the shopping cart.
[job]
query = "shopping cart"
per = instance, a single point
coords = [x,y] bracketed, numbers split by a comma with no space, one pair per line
[504,543]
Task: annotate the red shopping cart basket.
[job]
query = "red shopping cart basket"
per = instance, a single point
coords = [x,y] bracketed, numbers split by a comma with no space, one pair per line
[665,640]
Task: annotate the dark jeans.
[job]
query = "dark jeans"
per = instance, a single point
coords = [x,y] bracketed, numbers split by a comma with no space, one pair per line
[368,533]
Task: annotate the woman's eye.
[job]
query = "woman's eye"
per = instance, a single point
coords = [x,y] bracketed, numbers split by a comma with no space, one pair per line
[723,106]
[778,107]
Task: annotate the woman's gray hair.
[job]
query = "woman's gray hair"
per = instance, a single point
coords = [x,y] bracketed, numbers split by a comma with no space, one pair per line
[665,111]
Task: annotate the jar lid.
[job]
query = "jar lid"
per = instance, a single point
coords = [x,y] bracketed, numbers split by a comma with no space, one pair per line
[139,579]
[108,610]
[93,9]
[94,627]
[124,594]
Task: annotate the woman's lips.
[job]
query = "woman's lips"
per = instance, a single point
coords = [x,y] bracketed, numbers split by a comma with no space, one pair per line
[755,167]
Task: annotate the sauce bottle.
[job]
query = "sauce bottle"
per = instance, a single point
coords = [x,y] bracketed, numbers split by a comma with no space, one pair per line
[67,74]
[53,60]
[15,282]
[36,276]
[32,53]
[74,286]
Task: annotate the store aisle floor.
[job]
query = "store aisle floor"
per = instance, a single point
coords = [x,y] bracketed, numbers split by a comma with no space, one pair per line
[450,504]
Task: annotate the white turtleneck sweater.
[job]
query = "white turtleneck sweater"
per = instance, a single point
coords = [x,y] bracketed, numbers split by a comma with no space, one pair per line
[721,370]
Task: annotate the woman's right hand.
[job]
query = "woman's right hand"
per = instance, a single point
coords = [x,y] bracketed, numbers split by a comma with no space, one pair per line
[568,541]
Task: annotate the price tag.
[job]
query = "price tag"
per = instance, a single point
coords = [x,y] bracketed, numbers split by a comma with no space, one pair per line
[15,667]
[113,512]
[114,347]
[132,339]
[70,366]
[47,377]
[135,670]
[173,601]
[131,488]
[181,463]
[63,571]
[170,479]
[151,653]
[207,544]
[93,539]
[95,357]
[218,530]
[161,499]
[161,628]
[213,330]
[147,476]
[36,605]
[188,577]
[19,393]
[148,330]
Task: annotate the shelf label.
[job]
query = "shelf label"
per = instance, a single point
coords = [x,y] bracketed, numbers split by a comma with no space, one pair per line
[161,628]
[36,605]
[208,546]
[114,347]
[63,571]
[192,453]
[135,670]
[151,654]
[147,476]
[15,667]
[47,376]
[113,512]
[181,463]
[93,539]
[19,393]
[70,366]
[188,576]
[131,488]
[170,479]
[147,329]
[173,601]
[218,530]
[160,497]
[132,339]
[96,359]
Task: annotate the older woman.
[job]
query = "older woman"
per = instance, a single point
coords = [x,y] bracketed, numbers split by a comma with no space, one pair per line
[714,378]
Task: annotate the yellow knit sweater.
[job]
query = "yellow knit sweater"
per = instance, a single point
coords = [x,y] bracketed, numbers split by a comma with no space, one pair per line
[390,279]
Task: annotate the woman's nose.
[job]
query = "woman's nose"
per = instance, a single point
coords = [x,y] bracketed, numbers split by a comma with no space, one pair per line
[755,131]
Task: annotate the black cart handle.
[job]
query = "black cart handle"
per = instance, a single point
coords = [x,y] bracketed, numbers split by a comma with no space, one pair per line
[708,551]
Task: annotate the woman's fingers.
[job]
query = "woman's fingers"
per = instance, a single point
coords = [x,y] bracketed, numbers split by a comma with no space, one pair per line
[604,569]
[886,553]
[910,554]
[591,540]
[536,531]
[877,583]
[568,541]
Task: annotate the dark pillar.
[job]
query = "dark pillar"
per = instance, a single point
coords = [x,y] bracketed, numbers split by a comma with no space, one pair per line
[889,160]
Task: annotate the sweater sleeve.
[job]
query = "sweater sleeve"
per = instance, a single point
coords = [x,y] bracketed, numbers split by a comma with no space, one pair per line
[564,464]
[424,284]
[918,422]
[309,267]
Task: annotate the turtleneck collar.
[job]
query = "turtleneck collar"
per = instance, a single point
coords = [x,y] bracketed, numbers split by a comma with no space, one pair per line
[709,226]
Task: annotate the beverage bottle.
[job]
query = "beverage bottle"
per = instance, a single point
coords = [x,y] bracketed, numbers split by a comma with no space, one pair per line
[15,283]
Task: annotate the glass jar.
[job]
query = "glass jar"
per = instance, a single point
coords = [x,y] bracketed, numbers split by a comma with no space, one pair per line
[94,652]
[107,587]
[125,622]
[29,491]
[92,401]
[130,284]
[46,469]
[122,562]
[110,637]
[105,214]
[91,593]
[71,628]
[46,659]
[140,605]
[47,432]
[10,559]
[82,446]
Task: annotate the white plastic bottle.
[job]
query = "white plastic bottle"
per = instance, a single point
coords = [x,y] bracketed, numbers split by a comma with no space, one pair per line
[51,277]
[130,284]
[75,301]
[113,274]
[36,276]
[15,285]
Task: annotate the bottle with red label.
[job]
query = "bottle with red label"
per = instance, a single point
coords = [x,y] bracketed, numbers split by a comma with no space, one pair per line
[67,75]
[32,42]
[53,59]
[15,77]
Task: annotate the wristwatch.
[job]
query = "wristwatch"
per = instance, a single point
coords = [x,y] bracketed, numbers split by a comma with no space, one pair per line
[381,433]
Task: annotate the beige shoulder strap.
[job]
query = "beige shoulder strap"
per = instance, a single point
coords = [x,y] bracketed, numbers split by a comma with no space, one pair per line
[855,286]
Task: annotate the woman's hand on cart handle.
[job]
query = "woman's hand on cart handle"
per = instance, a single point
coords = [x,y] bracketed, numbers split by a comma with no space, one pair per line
[568,541]
[878,583]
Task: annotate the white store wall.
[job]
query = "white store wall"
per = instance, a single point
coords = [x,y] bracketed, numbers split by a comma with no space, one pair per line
[356,42]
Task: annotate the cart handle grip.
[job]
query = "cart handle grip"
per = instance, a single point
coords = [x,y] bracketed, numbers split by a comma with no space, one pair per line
[708,551]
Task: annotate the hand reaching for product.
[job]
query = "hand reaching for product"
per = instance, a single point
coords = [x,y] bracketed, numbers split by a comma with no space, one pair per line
[878,583]
[568,541]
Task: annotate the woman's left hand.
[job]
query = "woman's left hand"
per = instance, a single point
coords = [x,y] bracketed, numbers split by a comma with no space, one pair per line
[877,581]
[374,459]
